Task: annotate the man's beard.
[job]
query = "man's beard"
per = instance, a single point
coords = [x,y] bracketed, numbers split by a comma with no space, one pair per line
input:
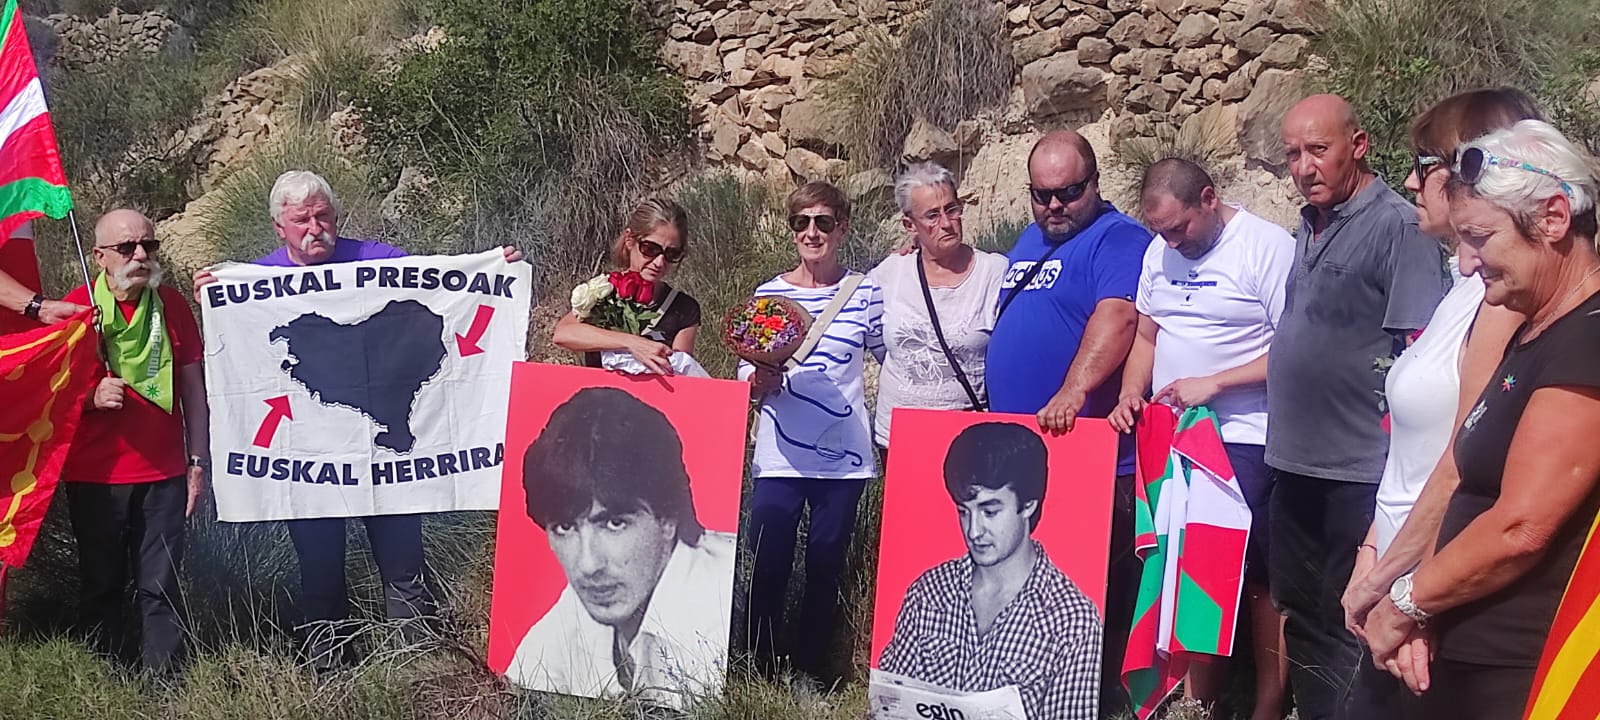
[123,278]
[325,238]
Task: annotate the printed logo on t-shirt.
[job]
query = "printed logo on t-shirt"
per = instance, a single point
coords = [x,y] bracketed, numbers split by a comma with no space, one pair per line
[1046,278]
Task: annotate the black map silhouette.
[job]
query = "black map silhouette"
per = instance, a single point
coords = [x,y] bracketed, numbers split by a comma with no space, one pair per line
[375,366]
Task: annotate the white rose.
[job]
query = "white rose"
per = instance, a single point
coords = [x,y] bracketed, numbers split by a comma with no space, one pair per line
[586,295]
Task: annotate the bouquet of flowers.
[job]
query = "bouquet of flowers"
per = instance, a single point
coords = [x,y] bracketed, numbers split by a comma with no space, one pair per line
[766,330]
[618,301]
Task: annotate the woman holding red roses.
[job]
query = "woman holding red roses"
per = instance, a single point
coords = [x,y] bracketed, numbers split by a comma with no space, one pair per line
[655,238]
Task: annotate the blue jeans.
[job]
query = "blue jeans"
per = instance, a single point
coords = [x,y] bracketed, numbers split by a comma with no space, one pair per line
[775,508]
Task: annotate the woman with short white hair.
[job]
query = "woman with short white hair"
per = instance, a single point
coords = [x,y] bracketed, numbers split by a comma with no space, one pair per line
[938,304]
[1466,629]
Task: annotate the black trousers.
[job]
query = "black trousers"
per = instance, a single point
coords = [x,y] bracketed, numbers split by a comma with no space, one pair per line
[1316,525]
[775,508]
[1122,592]
[131,530]
[1469,691]
[324,596]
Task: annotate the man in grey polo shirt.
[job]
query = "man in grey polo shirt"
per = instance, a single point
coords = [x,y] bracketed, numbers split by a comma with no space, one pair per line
[1365,279]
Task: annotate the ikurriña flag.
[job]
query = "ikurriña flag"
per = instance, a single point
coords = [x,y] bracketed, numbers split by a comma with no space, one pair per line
[45,375]
[1567,684]
[1191,527]
[32,182]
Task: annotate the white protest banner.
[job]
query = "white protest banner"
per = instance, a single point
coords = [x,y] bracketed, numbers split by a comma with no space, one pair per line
[364,388]
[897,697]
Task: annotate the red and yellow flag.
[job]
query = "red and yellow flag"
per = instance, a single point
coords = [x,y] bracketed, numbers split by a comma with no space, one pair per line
[1567,685]
[45,375]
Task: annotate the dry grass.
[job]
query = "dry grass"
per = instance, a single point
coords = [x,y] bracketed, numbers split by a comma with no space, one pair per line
[949,64]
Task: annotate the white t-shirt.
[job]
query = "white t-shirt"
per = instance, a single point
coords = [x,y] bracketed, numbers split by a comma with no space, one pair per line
[1219,312]
[915,371]
[1422,389]
[817,426]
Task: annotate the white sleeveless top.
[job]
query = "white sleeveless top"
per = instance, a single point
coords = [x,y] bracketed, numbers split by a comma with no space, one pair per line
[1422,389]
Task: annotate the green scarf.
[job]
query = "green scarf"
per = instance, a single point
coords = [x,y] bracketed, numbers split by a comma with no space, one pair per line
[138,350]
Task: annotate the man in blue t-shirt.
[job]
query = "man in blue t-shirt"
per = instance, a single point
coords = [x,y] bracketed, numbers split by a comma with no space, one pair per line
[1061,338]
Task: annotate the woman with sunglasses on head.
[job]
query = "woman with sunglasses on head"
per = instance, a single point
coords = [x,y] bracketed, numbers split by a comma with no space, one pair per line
[813,440]
[1432,385]
[1466,628]
[653,241]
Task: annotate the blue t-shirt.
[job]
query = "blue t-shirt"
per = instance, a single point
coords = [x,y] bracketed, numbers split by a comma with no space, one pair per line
[1037,337]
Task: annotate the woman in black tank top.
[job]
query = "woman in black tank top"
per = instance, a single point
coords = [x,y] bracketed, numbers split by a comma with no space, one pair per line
[1466,630]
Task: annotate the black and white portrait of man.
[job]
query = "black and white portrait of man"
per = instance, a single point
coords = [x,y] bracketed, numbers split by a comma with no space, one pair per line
[1002,614]
[646,610]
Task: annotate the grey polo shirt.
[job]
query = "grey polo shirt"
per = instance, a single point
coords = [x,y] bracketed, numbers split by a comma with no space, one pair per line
[1371,277]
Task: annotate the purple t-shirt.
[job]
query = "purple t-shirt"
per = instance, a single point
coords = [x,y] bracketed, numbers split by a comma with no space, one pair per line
[345,250]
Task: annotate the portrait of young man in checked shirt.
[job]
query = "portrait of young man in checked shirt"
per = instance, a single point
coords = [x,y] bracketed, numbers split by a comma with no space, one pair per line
[1003,614]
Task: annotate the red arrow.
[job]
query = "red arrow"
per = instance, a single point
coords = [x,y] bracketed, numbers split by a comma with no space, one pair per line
[269,425]
[468,344]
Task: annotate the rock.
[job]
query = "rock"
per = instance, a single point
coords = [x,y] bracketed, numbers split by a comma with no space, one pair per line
[1018,15]
[772,98]
[1285,52]
[1295,15]
[1153,63]
[739,23]
[783,67]
[1217,125]
[1059,84]
[1128,32]
[726,136]
[1100,15]
[1080,25]
[1232,57]
[1093,50]
[806,124]
[1194,31]
[1127,63]
[1214,69]
[695,62]
[806,164]
[760,119]
[875,185]
[754,154]
[1037,46]
[1122,6]
[817,11]
[1171,8]
[1189,60]
[1174,83]
[1211,91]
[1261,115]
[1237,86]
[1148,97]
[927,141]
[1158,29]
[1256,41]
[774,145]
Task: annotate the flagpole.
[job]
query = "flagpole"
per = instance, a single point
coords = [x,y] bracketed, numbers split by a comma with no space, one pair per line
[83,261]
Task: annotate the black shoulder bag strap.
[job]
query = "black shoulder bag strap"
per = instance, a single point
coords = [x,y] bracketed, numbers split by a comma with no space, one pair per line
[938,332]
[1026,278]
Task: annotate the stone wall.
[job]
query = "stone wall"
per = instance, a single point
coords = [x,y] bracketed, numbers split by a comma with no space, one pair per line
[1114,68]
[86,41]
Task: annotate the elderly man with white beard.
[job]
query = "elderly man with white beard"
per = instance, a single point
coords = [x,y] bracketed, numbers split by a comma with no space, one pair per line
[130,482]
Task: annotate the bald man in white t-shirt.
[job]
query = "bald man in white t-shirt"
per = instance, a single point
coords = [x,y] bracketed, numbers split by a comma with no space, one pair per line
[1211,292]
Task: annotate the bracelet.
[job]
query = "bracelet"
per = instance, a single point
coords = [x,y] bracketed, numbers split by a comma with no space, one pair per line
[1366,545]
[199,462]
[31,310]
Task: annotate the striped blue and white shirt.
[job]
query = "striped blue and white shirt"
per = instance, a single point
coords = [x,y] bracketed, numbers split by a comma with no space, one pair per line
[818,426]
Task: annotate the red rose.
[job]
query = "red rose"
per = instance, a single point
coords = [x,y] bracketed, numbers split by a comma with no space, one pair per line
[646,293]
[627,285]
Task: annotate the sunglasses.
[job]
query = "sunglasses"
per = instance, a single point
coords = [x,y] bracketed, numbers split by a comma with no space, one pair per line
[1422,164]
[126,249]
[652,249]
[1475,160]
[824,223]
[1065,195]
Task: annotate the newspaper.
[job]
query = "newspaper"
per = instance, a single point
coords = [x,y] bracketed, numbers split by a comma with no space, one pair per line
[897,697]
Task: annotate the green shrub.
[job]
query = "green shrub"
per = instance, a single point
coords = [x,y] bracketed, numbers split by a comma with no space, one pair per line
[1393,58]
[949,64]
[113,123]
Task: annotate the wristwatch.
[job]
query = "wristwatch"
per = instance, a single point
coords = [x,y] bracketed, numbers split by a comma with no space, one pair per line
[1400,595]
[31,310]
[199,462]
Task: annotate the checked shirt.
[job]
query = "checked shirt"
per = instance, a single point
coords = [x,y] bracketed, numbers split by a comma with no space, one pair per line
[1046,641]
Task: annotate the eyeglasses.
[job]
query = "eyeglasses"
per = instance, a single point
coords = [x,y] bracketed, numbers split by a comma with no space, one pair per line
[651,249]
[824,223]
[1421,164]
[126,249]
[1064,194]
[952,211]
[1474,160]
